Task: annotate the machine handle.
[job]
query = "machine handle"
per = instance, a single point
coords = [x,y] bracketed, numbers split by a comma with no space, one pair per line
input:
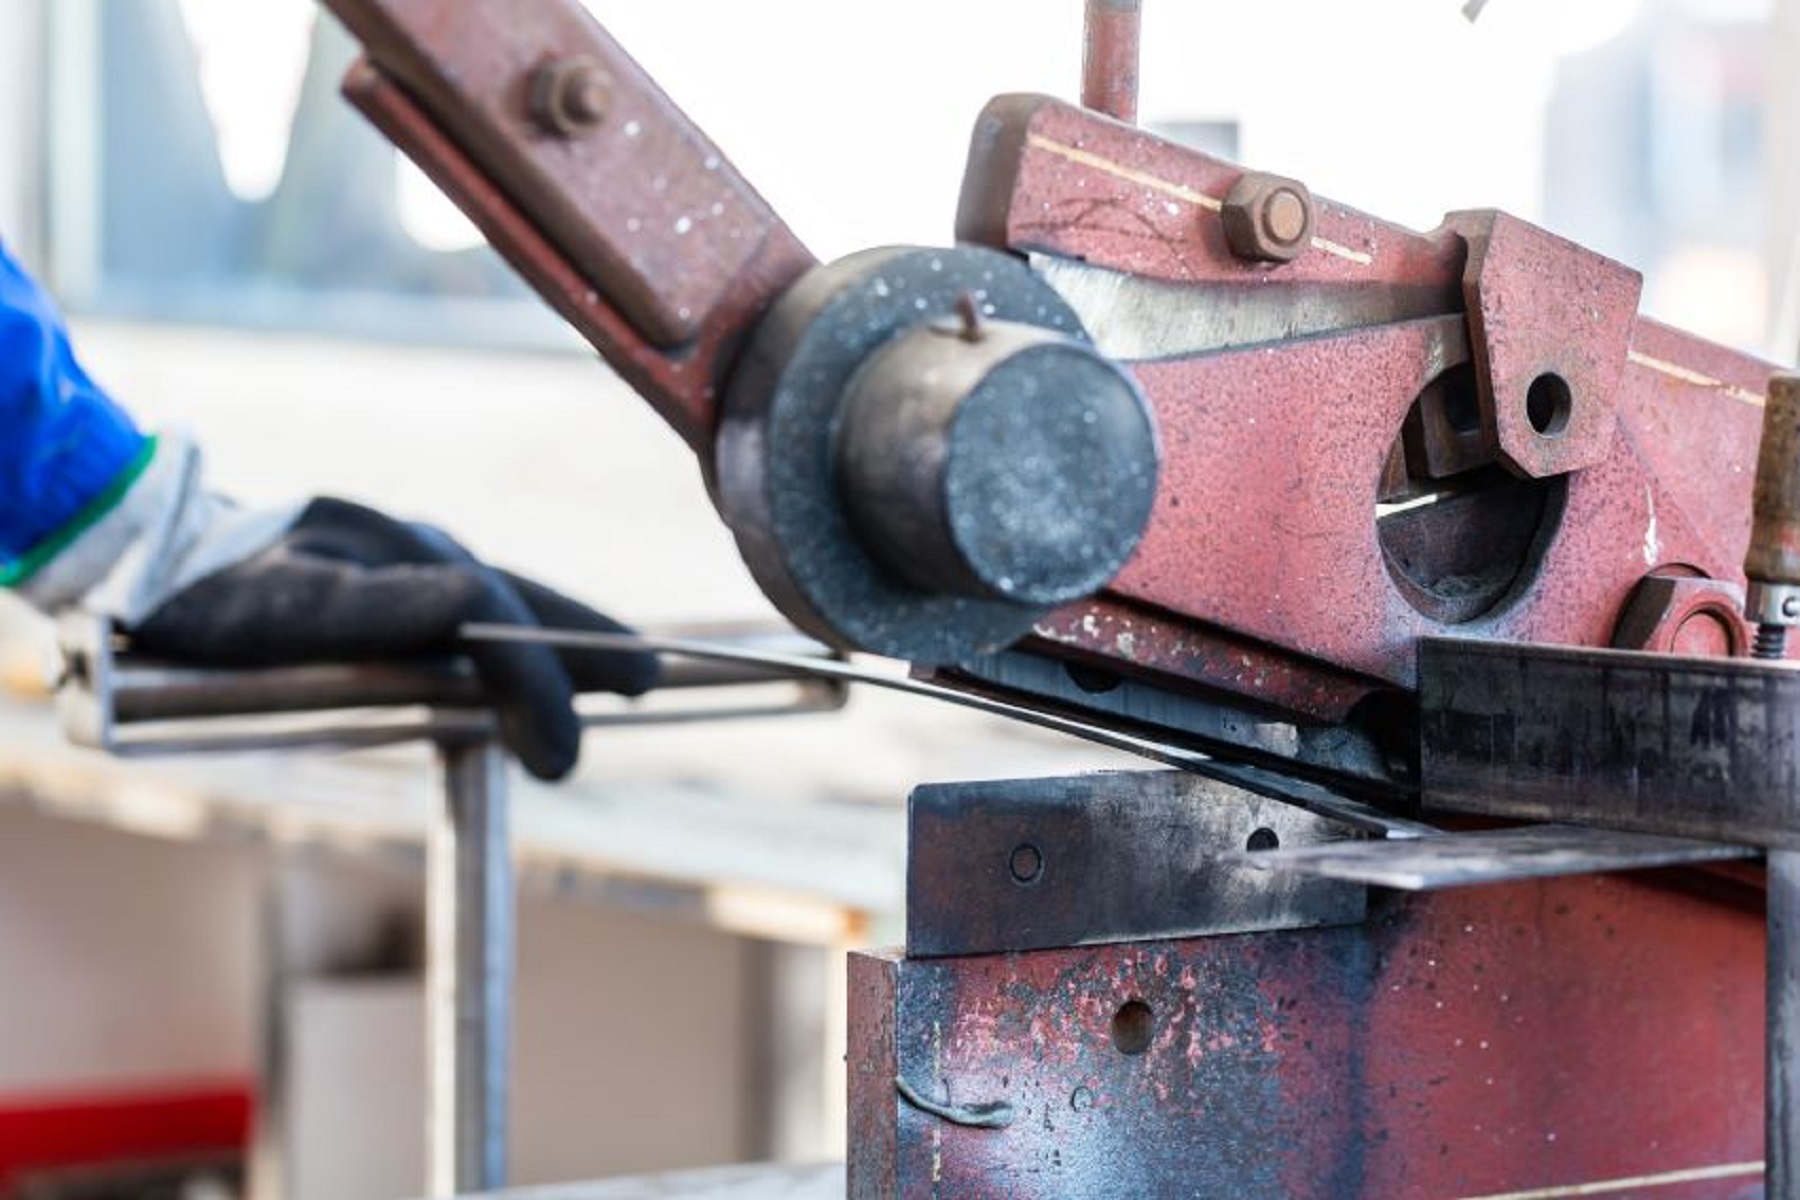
[587,178]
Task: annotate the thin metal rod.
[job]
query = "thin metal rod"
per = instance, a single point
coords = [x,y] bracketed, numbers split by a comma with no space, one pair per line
[1109,59]
[147,690]
[1782,1131]
[469,972]
[1303,793]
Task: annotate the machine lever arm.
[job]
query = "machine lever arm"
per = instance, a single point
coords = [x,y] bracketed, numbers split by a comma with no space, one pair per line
[587,178]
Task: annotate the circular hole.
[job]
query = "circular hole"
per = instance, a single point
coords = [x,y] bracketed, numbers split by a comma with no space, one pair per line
[1547,405]
[1132,1027]
[1092,680]
[1263,839]
[1026,863]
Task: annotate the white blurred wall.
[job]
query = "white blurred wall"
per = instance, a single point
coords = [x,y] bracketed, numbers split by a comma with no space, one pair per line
[854,118]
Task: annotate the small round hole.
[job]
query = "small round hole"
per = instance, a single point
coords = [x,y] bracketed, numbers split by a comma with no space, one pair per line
[1263,839]
[1026,863]
[1132,1027]
[1547,405]
[1095,681]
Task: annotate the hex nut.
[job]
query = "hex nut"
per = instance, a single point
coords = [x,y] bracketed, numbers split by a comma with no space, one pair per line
[1268,218]
[1676,614]
[570,96]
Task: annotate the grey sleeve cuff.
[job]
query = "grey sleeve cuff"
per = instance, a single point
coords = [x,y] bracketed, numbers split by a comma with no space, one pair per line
[166,533]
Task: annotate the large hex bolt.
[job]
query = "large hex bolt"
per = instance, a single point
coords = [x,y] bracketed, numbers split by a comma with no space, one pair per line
[570,96]
[997,460]
[1267,218]
[1683,614]
[1772,564]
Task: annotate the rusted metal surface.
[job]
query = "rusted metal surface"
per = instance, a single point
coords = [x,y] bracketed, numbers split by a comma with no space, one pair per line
[1267,218]
[1265,534]
[1772,562]
[1047,176]
[1774,554]
[1109,61]
[1462,1044]
[1684,614]
[1022,864]
[723,268]
[646,207]
[1112,634]
[1550,324]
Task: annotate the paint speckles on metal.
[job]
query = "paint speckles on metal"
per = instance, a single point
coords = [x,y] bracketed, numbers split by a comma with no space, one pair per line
[1454,1046]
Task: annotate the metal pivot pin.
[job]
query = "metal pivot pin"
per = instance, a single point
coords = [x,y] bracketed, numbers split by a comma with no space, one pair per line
[1772,603]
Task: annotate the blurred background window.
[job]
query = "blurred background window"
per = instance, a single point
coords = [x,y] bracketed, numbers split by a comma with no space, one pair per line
[1654,153]
[206,169]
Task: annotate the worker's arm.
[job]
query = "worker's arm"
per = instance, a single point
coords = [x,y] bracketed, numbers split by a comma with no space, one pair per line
[97,514]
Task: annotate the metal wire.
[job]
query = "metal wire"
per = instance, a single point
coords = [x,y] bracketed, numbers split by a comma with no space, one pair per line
[1305,794]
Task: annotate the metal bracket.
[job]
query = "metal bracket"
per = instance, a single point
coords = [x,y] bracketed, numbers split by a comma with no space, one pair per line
[1041,863]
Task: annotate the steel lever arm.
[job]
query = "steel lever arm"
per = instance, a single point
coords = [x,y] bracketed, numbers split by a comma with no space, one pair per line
[587,178]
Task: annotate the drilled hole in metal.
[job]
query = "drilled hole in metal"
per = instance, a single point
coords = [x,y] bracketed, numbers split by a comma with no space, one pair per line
[1092,680]
[1132,1027]
[1548,403]
[1026,863]
[1263,839]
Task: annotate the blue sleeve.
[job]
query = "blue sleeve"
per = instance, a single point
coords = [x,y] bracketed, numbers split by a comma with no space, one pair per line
[66,450]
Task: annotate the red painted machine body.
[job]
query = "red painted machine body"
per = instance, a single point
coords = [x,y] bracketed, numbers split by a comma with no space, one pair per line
[1480,1043]
[1262,573]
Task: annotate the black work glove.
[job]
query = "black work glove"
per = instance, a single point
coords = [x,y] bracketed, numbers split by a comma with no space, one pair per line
[347,583]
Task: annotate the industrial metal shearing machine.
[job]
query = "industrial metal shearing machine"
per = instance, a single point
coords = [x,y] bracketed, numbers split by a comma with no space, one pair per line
[1444,586]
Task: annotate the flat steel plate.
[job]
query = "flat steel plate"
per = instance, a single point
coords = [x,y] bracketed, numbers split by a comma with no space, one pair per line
[1658,743]
[1111,857]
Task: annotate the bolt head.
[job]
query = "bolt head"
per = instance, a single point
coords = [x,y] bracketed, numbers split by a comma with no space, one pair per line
[1267,218]
[570,96]
[1676,614]
[1284,217]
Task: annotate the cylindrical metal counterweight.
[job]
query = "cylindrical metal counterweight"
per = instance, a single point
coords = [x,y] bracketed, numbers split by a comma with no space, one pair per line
[1773,561]
[997,460]
[921,454]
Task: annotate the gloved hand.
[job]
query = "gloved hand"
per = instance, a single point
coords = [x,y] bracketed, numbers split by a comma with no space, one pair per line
[96,515]
[347,583]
